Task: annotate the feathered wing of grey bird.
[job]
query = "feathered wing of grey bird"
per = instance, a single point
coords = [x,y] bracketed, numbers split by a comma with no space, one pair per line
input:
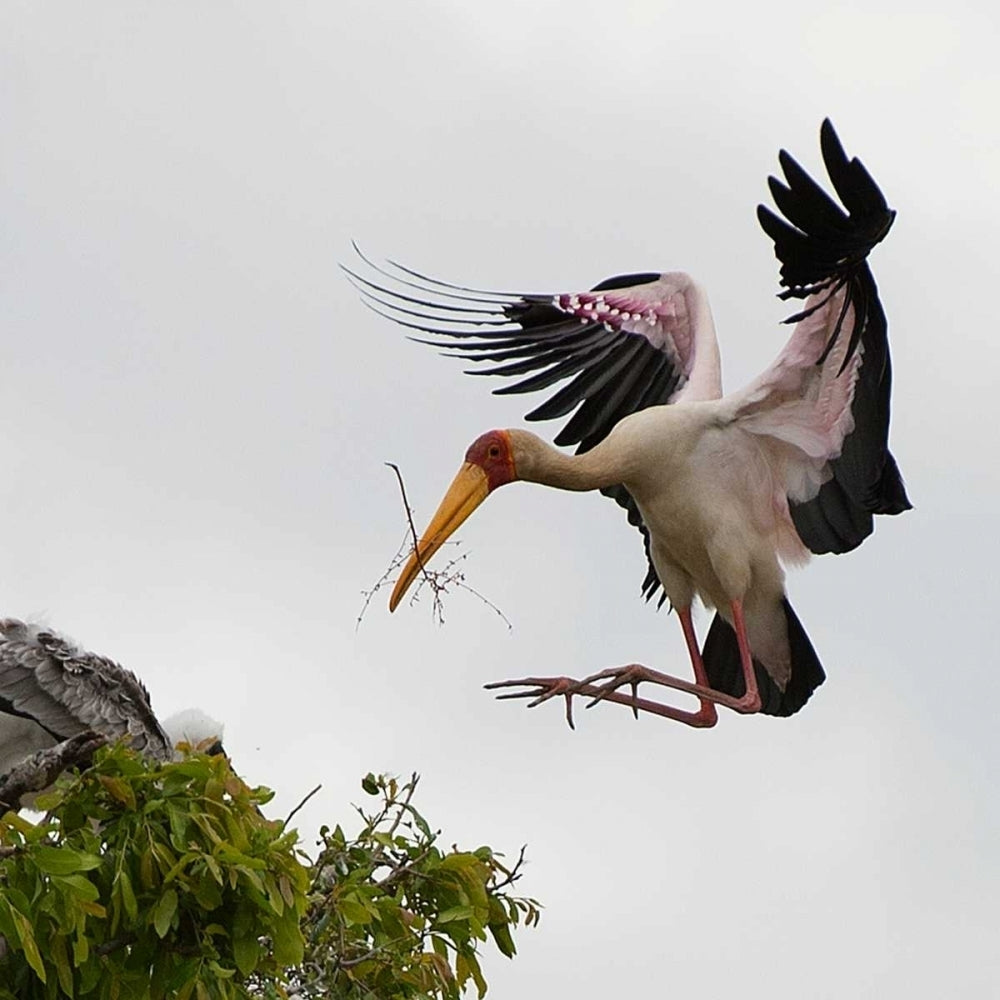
[52,689]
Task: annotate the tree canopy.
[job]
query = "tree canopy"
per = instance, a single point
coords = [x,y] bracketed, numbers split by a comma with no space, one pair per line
[146,880]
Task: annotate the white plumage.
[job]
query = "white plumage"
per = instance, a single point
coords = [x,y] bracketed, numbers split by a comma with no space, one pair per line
[723,488]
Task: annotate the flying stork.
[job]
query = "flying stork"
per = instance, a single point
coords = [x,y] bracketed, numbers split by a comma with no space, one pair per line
[51,689]
[724,489]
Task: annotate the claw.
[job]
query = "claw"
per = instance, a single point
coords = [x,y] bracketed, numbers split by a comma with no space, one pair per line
[543,688]
[517,694]
[543,682]
[569,712]
[618,676]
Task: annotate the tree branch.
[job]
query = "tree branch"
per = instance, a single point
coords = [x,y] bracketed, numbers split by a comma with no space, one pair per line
[288,818]
[409,517]
[512,874]
[438,581]
[38,771]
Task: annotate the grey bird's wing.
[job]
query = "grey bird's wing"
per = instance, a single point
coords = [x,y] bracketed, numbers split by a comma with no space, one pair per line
[65,690]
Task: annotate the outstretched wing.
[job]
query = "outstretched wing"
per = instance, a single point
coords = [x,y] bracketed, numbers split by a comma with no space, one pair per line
[631,342]
[66,690]
[824,403]
[822,409]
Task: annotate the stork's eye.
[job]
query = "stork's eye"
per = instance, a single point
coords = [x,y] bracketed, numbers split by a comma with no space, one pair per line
[494,451]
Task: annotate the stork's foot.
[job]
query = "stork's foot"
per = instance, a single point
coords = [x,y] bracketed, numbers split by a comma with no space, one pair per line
[605,684]
[541,689]
[634,674]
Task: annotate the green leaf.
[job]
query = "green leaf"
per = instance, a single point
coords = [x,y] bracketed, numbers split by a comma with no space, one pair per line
[127,894]
[94,909]
[289,945]
[274,896]
[78,886]
[119,789]
[178,818]
[471,966]
[146,872]
[63,860]
[7,927]
[48,800]
[287,892]
[246,951]
[60,958]
[182,976]
[81,949]
[28,944]
[213,867]
[207,893]
[164,912]
[370,784]
[422,824]
[353,911]
[19,823]
[503,939]
[455,913]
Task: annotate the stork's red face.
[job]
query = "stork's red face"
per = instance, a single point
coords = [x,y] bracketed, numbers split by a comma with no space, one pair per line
[492,453]
[489,463]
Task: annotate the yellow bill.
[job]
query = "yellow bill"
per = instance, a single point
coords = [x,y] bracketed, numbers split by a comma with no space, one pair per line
[467,491]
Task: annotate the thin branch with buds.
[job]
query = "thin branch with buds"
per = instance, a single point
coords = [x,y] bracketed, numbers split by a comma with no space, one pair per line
[438,581]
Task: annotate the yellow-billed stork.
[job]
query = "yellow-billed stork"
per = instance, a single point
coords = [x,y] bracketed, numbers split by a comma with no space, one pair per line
[725,489]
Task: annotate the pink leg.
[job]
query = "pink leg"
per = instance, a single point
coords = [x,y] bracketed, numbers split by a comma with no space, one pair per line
[751,696]
[635,673]
[707,709]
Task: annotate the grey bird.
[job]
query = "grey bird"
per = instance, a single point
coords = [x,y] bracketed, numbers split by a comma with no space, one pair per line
[51,690]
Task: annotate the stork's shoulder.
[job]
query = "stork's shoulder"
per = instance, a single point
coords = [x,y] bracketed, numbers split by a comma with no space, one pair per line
[655,434]
[694,415]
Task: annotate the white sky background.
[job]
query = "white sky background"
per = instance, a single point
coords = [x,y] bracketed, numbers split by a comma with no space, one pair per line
[195,409]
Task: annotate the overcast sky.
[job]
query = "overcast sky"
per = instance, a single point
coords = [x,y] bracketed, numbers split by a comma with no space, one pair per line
[195,411]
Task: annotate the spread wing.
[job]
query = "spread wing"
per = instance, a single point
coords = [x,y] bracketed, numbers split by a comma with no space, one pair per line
[646,340]
[66,690]
[631,342]
[826,397]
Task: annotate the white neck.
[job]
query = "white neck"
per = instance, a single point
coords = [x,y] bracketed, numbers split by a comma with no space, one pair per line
[536,461]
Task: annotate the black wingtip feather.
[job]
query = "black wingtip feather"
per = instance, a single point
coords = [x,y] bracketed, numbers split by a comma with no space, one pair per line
[816,239]
[824,252]
[890,497]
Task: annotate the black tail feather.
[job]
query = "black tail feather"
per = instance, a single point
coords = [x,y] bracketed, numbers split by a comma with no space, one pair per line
[721,656]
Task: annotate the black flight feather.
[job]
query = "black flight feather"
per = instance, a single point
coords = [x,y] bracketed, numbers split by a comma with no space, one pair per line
[822,249]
